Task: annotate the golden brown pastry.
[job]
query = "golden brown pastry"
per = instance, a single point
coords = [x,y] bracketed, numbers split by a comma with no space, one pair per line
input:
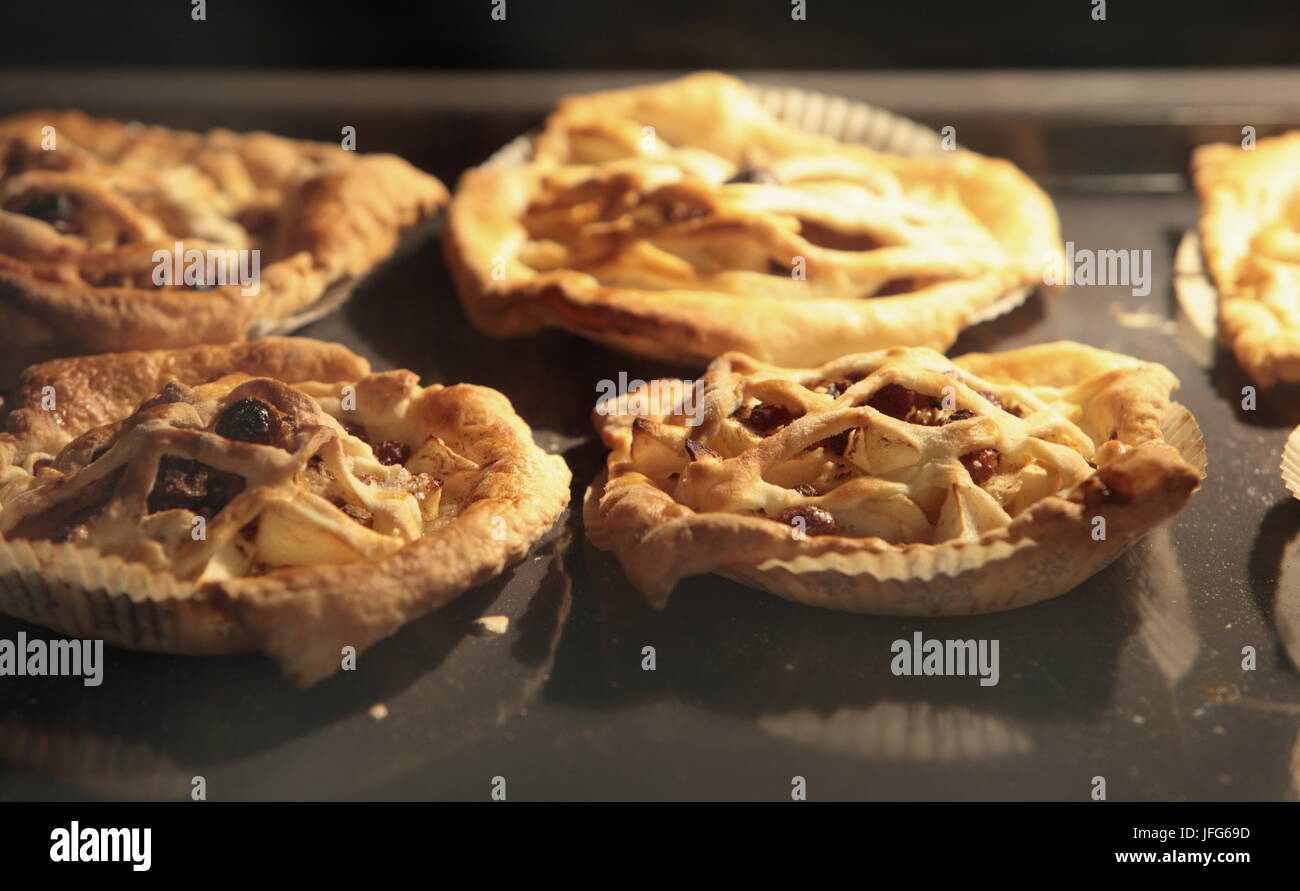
[273,496]
[1250,237]
[896,482]
[86,205]
[682,220]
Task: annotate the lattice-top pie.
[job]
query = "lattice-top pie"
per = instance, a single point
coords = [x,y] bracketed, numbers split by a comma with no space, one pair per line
[273,495]
[87,204]
[1250,237]
[896,481]
[683,220]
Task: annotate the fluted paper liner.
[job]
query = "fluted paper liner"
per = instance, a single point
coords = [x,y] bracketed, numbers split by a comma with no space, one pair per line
[843,119]
[1291,463]
[961,577]
[85,594]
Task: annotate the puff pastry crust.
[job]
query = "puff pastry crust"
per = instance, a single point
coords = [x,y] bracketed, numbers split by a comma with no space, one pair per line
[85,203]
[273,495]
[897,481]
[682,220]
[1250,237]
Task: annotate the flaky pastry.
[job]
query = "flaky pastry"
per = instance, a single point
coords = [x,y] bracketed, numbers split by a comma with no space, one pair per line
[896,482]
[682,220]
[86,205]
[273,495]
[1250,238]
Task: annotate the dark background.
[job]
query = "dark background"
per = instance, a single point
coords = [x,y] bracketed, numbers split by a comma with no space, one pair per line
[669,34]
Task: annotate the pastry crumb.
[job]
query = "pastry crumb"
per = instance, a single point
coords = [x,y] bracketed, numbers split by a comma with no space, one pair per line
[490,626]
[378,711]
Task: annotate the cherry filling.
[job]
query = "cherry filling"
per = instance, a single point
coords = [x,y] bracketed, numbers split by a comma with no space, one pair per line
[816,521]
[186,484]
[765,418]
[57,209]
[981,464]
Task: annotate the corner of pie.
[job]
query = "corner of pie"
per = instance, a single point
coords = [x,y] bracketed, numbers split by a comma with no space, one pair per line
[273,495]
[105,228]
[1250,238]
[682,220]
[895,482]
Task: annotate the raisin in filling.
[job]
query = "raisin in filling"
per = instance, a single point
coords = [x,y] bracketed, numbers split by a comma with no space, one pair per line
[832,239]
[57,209]
[357,430]
[915,408]
[816,521]
[899,402]
[248,420]
[835,387]
[766,418]
[186,484]
[252,420]
[355,511]
[981,464]
[839,443]
[896,286]
[997,400]
[391,452]
[757,175]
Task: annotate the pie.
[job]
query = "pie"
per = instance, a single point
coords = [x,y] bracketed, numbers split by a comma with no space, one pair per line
[1250,238]
[682,220]
[87,204]
[895,482]
[273,495]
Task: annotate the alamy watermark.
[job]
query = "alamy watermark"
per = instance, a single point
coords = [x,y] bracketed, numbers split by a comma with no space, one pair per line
[52,658]
[638,397]
[1083,266]
[76,844]
[920,657]
[208,269]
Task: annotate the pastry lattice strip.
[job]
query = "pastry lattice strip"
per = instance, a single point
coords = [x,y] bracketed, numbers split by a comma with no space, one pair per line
[888,445]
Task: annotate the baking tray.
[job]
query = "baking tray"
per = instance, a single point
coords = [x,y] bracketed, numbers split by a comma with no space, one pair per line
[1135,676]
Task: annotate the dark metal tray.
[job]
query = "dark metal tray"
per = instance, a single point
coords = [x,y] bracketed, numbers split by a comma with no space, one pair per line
[1135,676]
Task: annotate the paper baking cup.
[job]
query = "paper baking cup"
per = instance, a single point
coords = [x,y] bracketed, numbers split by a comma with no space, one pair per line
[961,578]
[84,594]
[843,119]
[1291,463]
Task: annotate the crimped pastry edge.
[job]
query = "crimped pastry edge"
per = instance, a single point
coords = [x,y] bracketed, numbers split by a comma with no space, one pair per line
[301,617]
